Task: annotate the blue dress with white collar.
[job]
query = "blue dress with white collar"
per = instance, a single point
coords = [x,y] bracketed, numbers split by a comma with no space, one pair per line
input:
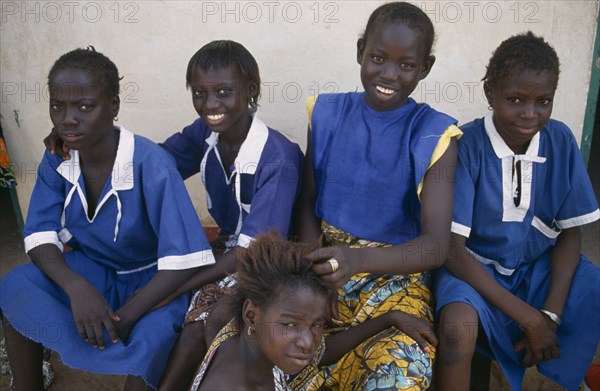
[511,227]
[264,183]
[144,222]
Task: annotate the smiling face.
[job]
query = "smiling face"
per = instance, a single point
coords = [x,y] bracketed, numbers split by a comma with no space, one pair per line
[80,109]
[392,61]
[522,104]
[289,330]
[220,97]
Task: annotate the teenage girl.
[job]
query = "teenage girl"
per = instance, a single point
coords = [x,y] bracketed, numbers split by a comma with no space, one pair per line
[275,339]
[251,174]
[515,269]
[378,185]
[121,207]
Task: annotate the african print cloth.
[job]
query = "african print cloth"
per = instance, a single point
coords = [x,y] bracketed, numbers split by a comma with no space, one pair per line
[280,379]
[7,175]
[390,359]
[205,298]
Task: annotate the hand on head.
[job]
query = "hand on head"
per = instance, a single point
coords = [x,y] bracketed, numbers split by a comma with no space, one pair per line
[332,265]
[280,301]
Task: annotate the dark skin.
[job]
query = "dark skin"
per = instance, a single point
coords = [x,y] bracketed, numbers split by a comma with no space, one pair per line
[393,60]
[522,104]
[83,118]
[214,92]
[426,252]
[539,331]
[238,354]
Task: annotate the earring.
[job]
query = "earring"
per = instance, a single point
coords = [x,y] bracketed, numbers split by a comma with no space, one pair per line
[250,331]
[116,118]
[490,108]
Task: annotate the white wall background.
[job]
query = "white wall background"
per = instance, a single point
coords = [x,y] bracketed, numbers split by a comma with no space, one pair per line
[302,47]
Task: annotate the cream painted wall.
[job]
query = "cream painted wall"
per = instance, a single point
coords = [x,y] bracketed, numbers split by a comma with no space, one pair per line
[302,47]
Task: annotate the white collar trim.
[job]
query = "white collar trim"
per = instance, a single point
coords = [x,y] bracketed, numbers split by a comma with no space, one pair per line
[251,149]
[246,161]
[122,172]
[500,148]
[121,179]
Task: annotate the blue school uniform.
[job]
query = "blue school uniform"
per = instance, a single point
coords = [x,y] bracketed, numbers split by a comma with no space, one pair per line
[369,165]
[514,240]
[368,169]
[265,178]
[144,222]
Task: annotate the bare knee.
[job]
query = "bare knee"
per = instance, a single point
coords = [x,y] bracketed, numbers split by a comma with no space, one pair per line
[457,332]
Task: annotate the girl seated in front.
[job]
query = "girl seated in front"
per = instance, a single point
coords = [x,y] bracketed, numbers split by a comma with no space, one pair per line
[279,309]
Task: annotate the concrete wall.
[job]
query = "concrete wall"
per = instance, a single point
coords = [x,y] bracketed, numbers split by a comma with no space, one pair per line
[302,47]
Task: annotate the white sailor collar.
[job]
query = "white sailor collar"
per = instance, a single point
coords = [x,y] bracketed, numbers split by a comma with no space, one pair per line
[251,149]
[500,148]
[121,179]
[122,173]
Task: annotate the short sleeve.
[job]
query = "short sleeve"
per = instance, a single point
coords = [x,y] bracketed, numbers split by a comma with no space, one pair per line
[46,206]
[188,147]
[310,105]
[443,143]
[464,194]
[579,207]
[278,185]
[182,243]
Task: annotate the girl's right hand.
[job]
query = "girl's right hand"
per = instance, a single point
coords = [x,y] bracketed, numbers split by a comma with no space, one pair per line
[91,313]
[345,266]
[539,340]
[56,145]
[418,329]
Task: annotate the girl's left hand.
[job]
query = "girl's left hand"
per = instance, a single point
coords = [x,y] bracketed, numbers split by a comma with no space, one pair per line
[539,340]
[124,325]
[334,265]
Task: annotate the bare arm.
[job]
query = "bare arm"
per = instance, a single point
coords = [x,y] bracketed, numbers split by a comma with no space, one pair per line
[90,310]
[541,342]
[565,258]
[225,265]
[157,289]
[426,252]
[341,343]
[310,225]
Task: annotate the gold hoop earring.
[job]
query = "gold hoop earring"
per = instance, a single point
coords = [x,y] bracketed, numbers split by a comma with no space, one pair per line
[250,331]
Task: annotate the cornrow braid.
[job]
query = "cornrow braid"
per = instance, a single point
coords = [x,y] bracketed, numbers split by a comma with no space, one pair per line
[103,69]
[269,265]
[521,52]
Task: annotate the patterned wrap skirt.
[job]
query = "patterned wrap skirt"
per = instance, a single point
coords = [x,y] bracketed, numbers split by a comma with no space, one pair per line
[205,298]
[390,360]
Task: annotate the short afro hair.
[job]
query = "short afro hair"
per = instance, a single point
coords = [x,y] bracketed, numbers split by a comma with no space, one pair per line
[521,52]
